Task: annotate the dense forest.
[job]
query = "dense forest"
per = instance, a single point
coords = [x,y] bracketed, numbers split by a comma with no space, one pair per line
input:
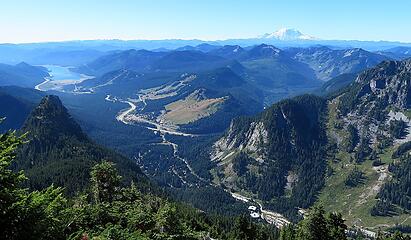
[58,184]
[105,210]
[398,191]
[108,210]
[59,152]
[296,144]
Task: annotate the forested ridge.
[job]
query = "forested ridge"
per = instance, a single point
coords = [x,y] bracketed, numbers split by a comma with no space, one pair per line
[294,143]
[58,151]
[105,210]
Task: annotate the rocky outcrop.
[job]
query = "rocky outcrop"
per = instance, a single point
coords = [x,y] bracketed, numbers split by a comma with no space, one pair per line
[389,81]
[374,94]
[278,152]
[252,140]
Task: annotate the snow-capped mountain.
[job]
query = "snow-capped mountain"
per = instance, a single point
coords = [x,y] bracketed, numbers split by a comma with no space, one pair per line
[287,34]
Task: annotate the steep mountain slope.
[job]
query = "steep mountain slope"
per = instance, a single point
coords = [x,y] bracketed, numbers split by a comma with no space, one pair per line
[376,92]
[126,83]
[368,129]
[237,97]
[328,63]
[262,51]
[277,74]
[179,107]
[66,57]
[288,72]
[204,47]
[229,51]
[16,105]
[336,84]
[181,61]
[277,156]
[22,74]
[131,59]
[349,153]
[398,53]
[149,61]
[14,111]
[59,152]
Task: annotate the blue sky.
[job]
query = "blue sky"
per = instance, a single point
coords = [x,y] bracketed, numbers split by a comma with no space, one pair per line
[57,20]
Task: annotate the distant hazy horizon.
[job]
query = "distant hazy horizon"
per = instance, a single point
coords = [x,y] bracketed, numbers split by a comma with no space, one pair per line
[25,21]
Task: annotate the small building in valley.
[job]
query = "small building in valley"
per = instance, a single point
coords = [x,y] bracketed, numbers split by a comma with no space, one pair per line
[252,208]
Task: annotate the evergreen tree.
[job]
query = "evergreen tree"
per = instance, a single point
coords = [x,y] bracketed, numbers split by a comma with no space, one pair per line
[24,215]
[396,236]
[9,181]
[243,229]
[314,227]
[336,226]
[288,232]
[105,182]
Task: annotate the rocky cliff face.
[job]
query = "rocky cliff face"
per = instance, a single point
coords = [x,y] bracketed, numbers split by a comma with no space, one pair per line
[252,140]
[376,98]
[50,120]
[388,82]
[258,154]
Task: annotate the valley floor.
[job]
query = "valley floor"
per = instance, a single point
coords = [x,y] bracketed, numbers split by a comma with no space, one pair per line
[130,116]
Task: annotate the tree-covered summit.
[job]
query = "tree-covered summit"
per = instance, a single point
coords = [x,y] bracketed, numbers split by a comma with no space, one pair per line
[59,152]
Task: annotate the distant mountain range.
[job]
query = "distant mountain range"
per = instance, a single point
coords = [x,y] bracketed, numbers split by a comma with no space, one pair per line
[328,63]
[74,52]
[324,61]
[264,66]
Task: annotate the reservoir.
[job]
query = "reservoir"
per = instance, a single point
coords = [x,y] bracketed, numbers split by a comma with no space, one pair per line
[61,79]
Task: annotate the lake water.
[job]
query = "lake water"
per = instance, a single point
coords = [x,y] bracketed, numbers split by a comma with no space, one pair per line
[58,73]
[61,79]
